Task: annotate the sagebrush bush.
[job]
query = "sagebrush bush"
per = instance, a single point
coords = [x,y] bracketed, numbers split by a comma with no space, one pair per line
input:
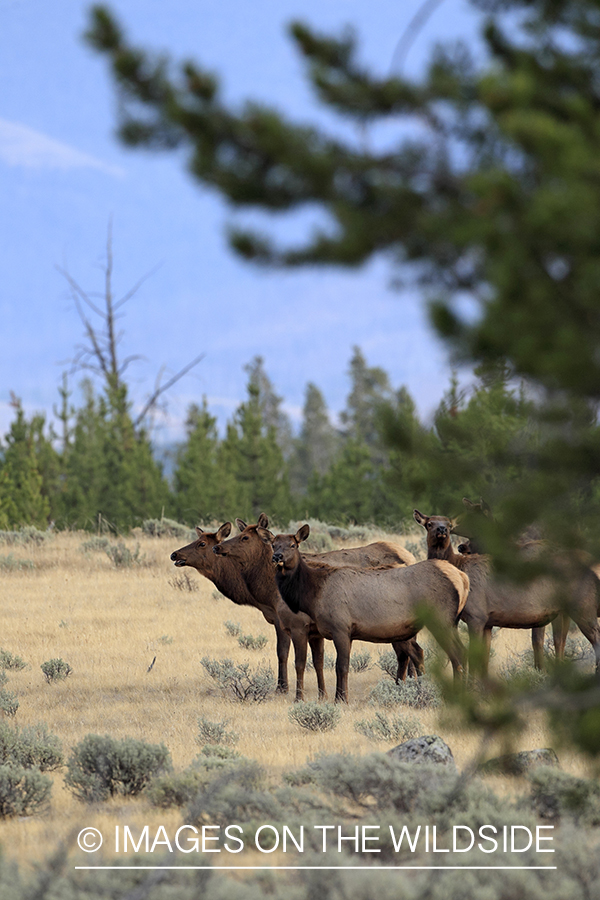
[30,747]
[380,728]
[419,693]
[56,670]
[233,628]
[360,662]
[98,543]
[239,680]
[101,766]
[215,732]
[236,792]
[388,663]
[556,795]
[249,642]
[12,563]
[184,582]
[315,716]
[9,702]
[122,557]
[27,534]
[11,661]
[23,792]
[167,528]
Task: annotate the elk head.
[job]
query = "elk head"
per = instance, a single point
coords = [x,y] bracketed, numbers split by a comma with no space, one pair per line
[199,553]
[285,547]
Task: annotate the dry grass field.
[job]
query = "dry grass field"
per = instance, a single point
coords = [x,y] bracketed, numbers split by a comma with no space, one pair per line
[109,623]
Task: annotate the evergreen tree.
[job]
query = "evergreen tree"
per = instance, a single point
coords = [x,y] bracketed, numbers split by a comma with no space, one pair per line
[110,471]
[369,388]
[203,488]
[22,501]
[253,457]
[316,445]
[270,404]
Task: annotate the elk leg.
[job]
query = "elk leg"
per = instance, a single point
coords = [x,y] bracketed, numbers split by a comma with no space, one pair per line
[592,632]
[410,657]
[560,630]
[343,646]
[537,643]
[300,642]
[317,648]
[478,653]
[283,651]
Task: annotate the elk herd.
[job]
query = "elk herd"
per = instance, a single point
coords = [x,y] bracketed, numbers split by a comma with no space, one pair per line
[379,593]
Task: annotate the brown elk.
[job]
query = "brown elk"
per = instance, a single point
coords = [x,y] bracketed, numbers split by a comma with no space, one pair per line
[377,605]
[497,602]
[228,577]
[253,559]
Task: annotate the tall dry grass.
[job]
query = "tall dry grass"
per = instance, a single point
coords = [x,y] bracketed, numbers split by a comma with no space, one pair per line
[109,624]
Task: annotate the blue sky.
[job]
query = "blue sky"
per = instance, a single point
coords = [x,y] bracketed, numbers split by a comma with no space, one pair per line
[63,176]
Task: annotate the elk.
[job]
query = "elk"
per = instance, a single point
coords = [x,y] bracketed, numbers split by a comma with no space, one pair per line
[377,605]
[497,602]
[253,559]
[230,578]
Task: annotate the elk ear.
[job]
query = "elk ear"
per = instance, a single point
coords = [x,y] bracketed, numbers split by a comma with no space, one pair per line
[302,533]
[420,518]
[468,504]
[485,508]
[264,534]
[223,532]
[454,522]
[263,521]
[241,524]
[199,531]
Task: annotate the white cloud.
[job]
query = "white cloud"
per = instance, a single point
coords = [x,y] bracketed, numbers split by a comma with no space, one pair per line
[22,146]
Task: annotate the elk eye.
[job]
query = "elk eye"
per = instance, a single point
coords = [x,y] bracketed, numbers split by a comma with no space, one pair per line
[203,543]
[245,537]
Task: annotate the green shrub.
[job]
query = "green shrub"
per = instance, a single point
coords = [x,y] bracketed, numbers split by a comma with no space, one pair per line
[233,628]
[249,642]
[315,716]
[215,732]
[122,557]
[30,747]
[9,702]
[27,534]
[555,795]
[419,693]
[380,728]
[184,582]
[3,678]
[23,792]
[101,766]
[240,681]
[96,544]
[56,670]
[235,793]
[12,563]
[360,662]
[388,663]
[177,789]
[11,661]
[167,528]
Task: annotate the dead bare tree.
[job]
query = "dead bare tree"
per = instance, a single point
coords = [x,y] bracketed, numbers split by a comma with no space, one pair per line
[99,352]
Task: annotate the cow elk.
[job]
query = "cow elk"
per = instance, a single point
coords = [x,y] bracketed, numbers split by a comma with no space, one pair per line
[377,605]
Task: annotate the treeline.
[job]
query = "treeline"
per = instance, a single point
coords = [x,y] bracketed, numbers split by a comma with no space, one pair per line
[93,465]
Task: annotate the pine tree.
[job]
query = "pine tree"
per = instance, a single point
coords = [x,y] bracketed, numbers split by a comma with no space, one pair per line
[203,488]
[316,445]
[253,457]
[22,501]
